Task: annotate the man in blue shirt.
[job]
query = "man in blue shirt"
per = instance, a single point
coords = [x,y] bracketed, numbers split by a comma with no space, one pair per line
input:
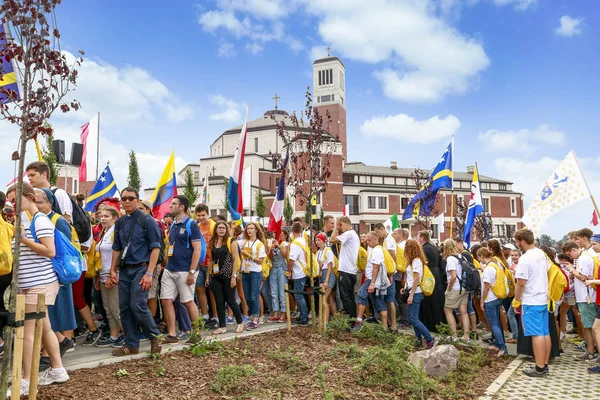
[181,272]
[136,248]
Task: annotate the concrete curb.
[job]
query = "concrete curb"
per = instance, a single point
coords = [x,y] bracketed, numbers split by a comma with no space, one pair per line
[491,391]
[166,349]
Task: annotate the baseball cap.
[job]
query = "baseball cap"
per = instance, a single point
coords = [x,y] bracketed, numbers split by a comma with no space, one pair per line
[595,238]
[509,246]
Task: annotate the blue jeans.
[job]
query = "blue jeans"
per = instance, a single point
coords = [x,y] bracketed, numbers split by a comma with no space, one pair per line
[413,318]
[251,282]
[277,283]
[299,285]
[492,312]
[133,305]
[512,320]
[183,316]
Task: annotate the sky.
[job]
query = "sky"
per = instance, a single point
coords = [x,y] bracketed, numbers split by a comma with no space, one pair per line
[515,81]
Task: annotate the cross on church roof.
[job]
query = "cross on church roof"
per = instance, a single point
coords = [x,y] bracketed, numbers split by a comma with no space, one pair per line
[329,51]
[276,98]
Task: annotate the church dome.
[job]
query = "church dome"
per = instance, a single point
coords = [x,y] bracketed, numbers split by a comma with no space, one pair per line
[271,113]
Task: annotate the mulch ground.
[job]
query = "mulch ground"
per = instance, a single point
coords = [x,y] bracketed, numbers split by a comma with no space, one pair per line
[296,365]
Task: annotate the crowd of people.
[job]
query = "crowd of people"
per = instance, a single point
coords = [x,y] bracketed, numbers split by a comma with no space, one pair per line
[210,273]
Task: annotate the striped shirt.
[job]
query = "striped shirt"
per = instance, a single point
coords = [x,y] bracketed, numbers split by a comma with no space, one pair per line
[34,269]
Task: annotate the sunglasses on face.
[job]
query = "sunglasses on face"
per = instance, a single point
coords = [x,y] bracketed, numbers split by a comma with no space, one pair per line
[128,198]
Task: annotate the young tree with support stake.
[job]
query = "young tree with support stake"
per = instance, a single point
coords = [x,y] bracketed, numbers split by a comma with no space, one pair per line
[310,145]
[46,77]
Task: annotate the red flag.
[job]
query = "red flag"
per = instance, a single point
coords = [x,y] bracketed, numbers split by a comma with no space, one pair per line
[346,211]
[594,221]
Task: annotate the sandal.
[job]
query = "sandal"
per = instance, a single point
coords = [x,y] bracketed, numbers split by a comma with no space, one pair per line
[240,328]
[500,354]
[220,331]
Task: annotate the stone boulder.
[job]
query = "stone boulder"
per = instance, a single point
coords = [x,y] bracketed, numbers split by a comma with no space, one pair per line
[438,361]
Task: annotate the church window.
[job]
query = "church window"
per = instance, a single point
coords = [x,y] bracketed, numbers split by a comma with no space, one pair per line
[320,78]
[325,99]
[382,203]
[196,175]
[256,145]
[333,97]
[371,202]
[331,77]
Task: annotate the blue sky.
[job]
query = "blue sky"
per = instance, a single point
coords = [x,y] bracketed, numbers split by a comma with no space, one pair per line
[515,80]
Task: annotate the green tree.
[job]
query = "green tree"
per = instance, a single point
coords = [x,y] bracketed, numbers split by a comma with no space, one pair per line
[49,158]
[134,180]
[190,188]
[225,200]
[261,207]
[546,240]
[288,210]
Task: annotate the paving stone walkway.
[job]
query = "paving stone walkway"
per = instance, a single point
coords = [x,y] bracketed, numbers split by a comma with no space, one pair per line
[568,380]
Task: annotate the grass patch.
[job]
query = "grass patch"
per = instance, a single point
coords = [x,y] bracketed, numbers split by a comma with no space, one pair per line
[231,377]
[377,333]
[349,351]
[338,324]
[292,362]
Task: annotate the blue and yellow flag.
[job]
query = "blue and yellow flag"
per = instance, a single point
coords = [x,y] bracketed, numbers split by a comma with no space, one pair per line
[105,187]
[9,77]
[441,177]
[165,190]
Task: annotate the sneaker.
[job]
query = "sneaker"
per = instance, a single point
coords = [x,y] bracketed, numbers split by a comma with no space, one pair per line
[53,376]
[489,340]
[594,358]
[81,332]
[273,319]
[211,324]
[92,338]
[302,322]
[371,320]
[282,320]
[594,370]
[534,373]
[183,335]
[124,351]
[582,346]
[171,339]
[296,315]
[563,336]
[261,320]
[106,342]
[120,342]
[44,364]
[155,346]
[357,326]
[430,344]
[584,357]
[229,321]
[252,325]
[24,389]
[245,319]
[66,345]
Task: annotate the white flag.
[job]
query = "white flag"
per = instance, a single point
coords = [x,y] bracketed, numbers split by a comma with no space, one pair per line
[565,187]
[440,220]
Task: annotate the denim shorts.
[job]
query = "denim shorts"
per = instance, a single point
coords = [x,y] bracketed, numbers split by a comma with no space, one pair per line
[390,295]
[588,314]
[331,283]
[201,281]
[362,297]
[535,320]
[470,308]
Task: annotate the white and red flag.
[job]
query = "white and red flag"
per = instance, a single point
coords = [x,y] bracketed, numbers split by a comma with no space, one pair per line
[277,208]
[594,221]
[89,161]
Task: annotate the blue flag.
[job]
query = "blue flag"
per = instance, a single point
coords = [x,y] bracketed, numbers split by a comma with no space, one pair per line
[441,177]
[475,208]
[105,187]
[8,81]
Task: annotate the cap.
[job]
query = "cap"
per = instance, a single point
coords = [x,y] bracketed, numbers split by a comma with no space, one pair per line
[321,236]
[509,246]
[595,238]
[147,204]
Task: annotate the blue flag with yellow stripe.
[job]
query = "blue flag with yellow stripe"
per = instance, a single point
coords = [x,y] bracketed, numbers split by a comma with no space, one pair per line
[8,80]
[441,177]
[105,187]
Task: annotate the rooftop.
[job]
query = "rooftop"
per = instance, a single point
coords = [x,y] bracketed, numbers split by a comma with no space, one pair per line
[328,59]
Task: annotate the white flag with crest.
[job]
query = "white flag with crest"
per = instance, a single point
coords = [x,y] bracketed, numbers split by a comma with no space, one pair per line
[565,187]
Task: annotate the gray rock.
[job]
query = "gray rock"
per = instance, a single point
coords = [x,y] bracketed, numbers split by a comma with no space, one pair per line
[438,361]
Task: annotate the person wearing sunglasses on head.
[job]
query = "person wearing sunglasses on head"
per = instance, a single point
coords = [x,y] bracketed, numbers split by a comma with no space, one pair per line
[136,246]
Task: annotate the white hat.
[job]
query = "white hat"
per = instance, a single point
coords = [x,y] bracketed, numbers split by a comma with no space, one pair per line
[509,246]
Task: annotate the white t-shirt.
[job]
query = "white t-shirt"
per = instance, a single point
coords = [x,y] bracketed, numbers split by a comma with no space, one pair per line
[390,243]
[402,244]
[325,257]
[34,269]
[533,266]
[489,276]
[257,249]
[452,264]
[64,202]
[299,257]
[87,244]
[585,266]
[104,247]
[374,257]
[349,252]
[416,266]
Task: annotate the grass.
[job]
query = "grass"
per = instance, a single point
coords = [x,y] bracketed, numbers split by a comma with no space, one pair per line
[292,362]
[230,377]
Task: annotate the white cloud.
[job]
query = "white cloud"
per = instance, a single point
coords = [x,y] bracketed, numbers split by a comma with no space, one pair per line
[518,4]
[267,9]
[253,48]
[232,109]
[226,49]
[426,59]
[569,26]
[223,101]
[229,115]
[522,140]
[405,128]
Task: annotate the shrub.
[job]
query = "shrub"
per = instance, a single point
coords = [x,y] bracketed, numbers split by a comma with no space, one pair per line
[376,332]
[230,377]
[339,323]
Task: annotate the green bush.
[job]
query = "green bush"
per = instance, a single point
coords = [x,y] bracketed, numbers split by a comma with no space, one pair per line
[230,377]
[291,362]
[339,323]
[376,332]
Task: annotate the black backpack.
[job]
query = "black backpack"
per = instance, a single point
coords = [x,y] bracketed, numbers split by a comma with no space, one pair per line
[162,256]
[470,280]
[79,219]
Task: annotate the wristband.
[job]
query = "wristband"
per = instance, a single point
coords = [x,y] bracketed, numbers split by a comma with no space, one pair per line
[150,274]
[516,303]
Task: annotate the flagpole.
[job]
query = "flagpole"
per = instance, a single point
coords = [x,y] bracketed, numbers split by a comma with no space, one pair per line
[586,184]
[98,146]
[481,198]
[452,191]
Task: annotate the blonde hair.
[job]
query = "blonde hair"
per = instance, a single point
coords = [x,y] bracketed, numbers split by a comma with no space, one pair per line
[449,248]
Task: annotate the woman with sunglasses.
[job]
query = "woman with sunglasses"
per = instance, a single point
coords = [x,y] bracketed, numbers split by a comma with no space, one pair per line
[253,254]
[224,266]
[36,276]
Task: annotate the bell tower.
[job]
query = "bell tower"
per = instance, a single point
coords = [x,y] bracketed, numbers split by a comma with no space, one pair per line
[329,83]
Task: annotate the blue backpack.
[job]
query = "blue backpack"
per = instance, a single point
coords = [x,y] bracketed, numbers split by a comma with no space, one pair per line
[68,262]
[188,229]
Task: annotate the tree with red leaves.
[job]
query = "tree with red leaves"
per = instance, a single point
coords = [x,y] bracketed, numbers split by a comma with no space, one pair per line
[33,45]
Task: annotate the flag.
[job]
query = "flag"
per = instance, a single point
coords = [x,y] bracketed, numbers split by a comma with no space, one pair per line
[346,211]
[422,202]
[9,76]
[440,220]
[391,223]
[234,188]
[475,208]
[89,159]
[564,187]
[204,193]
[277,208]
[25,179]
[594,221]
[105,187]
[165,190]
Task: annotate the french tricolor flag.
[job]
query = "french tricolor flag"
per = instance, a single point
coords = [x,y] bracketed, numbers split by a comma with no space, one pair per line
[234,188]
[277,208]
